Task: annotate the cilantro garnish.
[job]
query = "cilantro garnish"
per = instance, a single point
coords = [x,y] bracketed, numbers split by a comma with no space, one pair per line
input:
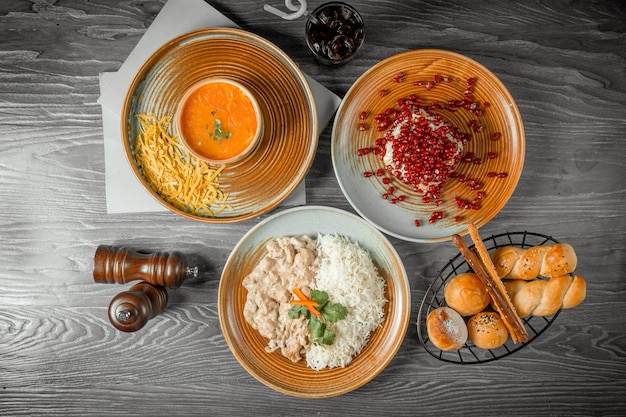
[329,313]
[217,133]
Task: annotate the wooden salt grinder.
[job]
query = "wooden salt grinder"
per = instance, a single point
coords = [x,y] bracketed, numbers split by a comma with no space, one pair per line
[130,310]
[122,265]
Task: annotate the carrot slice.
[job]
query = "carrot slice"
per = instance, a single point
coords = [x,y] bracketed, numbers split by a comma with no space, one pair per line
[298,292]
[304,303]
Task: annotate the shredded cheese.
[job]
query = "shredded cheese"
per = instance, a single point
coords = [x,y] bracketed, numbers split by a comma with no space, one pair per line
[182,180]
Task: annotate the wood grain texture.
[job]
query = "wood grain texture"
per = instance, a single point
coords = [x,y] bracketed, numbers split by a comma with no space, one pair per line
[563,62]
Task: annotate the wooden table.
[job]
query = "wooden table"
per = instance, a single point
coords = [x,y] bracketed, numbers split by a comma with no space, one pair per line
[564,63]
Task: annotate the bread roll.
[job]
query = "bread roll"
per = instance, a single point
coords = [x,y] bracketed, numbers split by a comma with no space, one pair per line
[549,261]
[466,294]
[446,329]
[543,297]
[487,330]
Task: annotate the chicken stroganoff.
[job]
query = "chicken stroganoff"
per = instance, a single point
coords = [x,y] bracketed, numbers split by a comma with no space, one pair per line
[339,284]
[290,262]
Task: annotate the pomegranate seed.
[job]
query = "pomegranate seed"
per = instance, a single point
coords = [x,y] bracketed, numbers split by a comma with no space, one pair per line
[362,127]
[367,174]
[391,190]
[491,155]
[478,161]
[491,174]
[385,196]
[457,218]
[383,93]
[496,136]
[380,172]
[429,85]
[402,197]
[502,175]
[437,215]
[473,184]
[437,78]
[486,104]
[363,115]
[393,200]
[460,203]
[386,180]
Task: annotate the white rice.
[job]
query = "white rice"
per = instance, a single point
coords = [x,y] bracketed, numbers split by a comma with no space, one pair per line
[349,276]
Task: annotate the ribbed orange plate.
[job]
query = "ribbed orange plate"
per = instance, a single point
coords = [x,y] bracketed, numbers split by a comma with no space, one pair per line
[501,115]
[284,155]
[273,369]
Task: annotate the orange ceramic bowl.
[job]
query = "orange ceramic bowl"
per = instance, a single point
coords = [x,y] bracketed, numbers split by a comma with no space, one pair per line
[219,121]
[281,158]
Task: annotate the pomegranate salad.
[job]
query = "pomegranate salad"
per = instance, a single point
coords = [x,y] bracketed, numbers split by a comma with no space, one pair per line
[422,149]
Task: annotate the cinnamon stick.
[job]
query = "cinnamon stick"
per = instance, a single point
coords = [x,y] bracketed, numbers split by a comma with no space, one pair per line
[498,294]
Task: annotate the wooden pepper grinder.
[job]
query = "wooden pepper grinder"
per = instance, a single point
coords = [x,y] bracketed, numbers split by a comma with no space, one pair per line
[130,310]
[122,265]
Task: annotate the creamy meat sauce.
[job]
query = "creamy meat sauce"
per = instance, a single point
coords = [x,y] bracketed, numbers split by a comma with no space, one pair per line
[290,262]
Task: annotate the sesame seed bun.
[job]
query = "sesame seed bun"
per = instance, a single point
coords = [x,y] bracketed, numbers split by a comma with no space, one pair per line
[487,330]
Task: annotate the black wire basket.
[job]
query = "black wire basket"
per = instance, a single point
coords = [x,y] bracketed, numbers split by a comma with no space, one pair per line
[470,354]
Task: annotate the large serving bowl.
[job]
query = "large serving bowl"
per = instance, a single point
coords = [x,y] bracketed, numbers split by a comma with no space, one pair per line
[273,369]
[283,155]
[419,68]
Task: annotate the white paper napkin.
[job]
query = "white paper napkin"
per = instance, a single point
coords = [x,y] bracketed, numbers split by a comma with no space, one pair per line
[124,193]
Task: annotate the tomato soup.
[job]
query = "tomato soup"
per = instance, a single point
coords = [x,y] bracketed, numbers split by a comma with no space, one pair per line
[218,120]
